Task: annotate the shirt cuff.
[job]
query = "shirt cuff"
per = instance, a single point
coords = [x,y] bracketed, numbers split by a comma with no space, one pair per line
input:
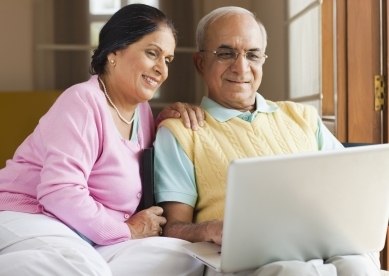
[176,197]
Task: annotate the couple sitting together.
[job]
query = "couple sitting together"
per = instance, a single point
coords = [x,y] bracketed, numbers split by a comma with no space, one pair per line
[68,196]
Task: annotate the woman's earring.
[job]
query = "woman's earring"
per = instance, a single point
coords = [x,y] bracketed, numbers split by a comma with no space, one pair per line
[112,61]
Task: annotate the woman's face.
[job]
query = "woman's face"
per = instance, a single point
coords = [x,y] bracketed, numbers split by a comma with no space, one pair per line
[137,71]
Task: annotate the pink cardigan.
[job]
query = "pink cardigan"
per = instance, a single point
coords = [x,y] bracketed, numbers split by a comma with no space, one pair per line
[75,166]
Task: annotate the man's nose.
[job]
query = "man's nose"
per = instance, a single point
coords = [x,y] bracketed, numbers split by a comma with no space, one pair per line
[241,64]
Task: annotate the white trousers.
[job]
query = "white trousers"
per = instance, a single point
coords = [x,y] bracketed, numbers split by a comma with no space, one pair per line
[35,244]
[351,265]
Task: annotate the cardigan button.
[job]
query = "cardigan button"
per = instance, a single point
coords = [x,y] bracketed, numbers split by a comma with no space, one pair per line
[139,195]
[126,216]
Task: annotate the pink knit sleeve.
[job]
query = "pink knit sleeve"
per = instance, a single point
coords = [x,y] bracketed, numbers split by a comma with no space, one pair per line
[71,144]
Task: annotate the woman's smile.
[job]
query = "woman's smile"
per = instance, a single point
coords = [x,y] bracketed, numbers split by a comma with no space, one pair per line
[152,81]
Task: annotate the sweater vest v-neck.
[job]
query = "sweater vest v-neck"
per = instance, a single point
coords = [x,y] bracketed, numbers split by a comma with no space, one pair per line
[290,129]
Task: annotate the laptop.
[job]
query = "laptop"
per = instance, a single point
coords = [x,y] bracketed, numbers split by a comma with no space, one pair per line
[301,207]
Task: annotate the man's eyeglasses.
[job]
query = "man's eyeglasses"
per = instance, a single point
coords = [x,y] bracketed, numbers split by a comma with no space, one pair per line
[228,56]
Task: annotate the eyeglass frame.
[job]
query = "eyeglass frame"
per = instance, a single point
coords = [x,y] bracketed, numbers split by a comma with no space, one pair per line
[214,52]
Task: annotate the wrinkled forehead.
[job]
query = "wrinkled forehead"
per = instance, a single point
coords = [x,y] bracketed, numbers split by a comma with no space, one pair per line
[238,31]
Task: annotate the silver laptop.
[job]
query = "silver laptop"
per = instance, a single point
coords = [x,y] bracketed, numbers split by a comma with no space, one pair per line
[301,207]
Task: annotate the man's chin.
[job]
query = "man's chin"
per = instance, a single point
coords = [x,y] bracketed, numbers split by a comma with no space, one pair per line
[241,95]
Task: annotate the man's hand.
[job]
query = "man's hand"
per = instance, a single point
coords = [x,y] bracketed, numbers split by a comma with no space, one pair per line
[146,223]
[192,116]
[179,225]
[214,230]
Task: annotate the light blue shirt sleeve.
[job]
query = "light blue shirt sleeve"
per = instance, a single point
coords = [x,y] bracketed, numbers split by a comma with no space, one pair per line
[325,139]
[174,172]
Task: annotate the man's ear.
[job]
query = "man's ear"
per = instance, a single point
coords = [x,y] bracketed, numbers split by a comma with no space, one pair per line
[198,59]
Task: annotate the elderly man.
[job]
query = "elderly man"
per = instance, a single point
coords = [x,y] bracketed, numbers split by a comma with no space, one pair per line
[191,166]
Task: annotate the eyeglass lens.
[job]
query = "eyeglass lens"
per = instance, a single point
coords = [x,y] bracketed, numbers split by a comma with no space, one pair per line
[230,55]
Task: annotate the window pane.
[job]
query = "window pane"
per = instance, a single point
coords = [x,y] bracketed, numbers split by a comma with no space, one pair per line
[154,3]
[103,6]
[95,28]
[305,54]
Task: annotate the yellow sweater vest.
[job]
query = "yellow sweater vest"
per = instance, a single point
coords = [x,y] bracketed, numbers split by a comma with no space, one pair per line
[291,129]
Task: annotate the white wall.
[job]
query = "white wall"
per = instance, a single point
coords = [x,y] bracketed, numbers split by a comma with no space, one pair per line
[16,46]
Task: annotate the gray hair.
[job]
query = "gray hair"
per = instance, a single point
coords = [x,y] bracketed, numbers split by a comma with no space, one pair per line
[211,17]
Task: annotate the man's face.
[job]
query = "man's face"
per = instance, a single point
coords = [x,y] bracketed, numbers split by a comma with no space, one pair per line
[233,85]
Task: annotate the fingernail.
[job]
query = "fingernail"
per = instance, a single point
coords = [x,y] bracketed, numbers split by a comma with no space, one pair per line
[194,127]
[201,123]
[187,125]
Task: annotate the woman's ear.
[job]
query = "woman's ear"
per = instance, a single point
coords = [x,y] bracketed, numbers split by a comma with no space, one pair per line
[198,59]
[112,59]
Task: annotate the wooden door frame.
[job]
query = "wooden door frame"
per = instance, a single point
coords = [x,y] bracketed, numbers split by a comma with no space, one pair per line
[363,63]
[351,59]
[351,28]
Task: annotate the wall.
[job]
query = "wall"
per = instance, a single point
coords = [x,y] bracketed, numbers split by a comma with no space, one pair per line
[274,82]
[16,50]
[17,47]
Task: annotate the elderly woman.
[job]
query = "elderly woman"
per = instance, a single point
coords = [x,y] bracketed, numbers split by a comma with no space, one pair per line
[69,195]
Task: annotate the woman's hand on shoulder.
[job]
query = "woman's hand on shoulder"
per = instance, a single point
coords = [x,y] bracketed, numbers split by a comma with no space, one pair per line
[146,223]
[192,115]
